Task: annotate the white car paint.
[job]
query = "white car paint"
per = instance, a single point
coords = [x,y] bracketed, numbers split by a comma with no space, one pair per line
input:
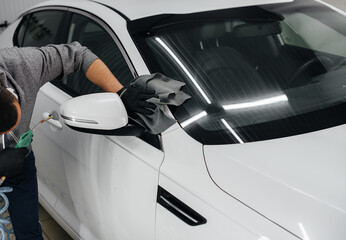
[103,111]
[102,187]
[97,189]
[297,181]
[153,7]
[141,9]
[197,190]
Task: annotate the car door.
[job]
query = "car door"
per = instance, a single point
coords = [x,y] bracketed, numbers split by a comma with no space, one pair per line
[102,187]
[37,29]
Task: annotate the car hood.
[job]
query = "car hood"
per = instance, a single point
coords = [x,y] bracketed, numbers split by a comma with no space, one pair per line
[297,182]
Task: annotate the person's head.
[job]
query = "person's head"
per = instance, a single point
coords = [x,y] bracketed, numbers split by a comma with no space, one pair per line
[10,111]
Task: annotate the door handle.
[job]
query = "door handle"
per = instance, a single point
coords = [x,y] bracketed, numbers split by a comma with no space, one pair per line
[179,209]
[55,123]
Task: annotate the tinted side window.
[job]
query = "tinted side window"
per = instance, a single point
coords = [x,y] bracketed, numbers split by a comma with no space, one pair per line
[92,35]
[19,34]
[42,28]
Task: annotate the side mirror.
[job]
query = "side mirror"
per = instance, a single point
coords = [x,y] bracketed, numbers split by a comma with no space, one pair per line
[94,112]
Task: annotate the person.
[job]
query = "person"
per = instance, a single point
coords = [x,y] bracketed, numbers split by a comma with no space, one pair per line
[22,72]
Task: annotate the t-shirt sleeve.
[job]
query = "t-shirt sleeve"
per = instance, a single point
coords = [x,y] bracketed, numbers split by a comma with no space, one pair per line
[56,61]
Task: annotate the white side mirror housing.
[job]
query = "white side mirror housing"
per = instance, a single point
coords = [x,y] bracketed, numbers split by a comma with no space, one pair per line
[99,111]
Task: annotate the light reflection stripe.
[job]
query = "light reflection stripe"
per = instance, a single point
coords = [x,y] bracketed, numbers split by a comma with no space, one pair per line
[193,119]
[231,130]
[305,235]
[184,69]
[262,102]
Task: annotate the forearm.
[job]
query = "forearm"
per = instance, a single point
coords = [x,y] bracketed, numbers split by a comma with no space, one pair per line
[99,74]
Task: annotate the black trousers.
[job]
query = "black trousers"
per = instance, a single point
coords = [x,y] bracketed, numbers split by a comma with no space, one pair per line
[23,201]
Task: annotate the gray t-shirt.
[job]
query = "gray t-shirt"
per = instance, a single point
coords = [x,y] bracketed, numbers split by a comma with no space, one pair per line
[27,69]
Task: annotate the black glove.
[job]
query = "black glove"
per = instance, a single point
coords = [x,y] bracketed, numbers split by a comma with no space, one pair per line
[135,100]
[12,161]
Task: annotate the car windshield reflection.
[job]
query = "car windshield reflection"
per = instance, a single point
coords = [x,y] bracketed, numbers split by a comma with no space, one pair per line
[264,72]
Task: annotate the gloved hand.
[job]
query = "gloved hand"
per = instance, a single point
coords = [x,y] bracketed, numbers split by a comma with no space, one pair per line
[12,161]
[135,100]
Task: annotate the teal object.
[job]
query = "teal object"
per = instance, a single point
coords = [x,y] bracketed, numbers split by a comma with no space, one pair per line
[25,139]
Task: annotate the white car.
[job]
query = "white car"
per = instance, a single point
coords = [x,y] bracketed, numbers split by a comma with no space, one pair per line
[257,153]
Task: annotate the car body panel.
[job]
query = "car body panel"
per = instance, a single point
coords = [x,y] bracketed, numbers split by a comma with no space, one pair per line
[295,181]
[154,7]
[98,188]
[226,217]
[105,187]
[81,187]
[7,35]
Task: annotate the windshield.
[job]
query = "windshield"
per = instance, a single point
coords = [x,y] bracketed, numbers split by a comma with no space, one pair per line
[254,73]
